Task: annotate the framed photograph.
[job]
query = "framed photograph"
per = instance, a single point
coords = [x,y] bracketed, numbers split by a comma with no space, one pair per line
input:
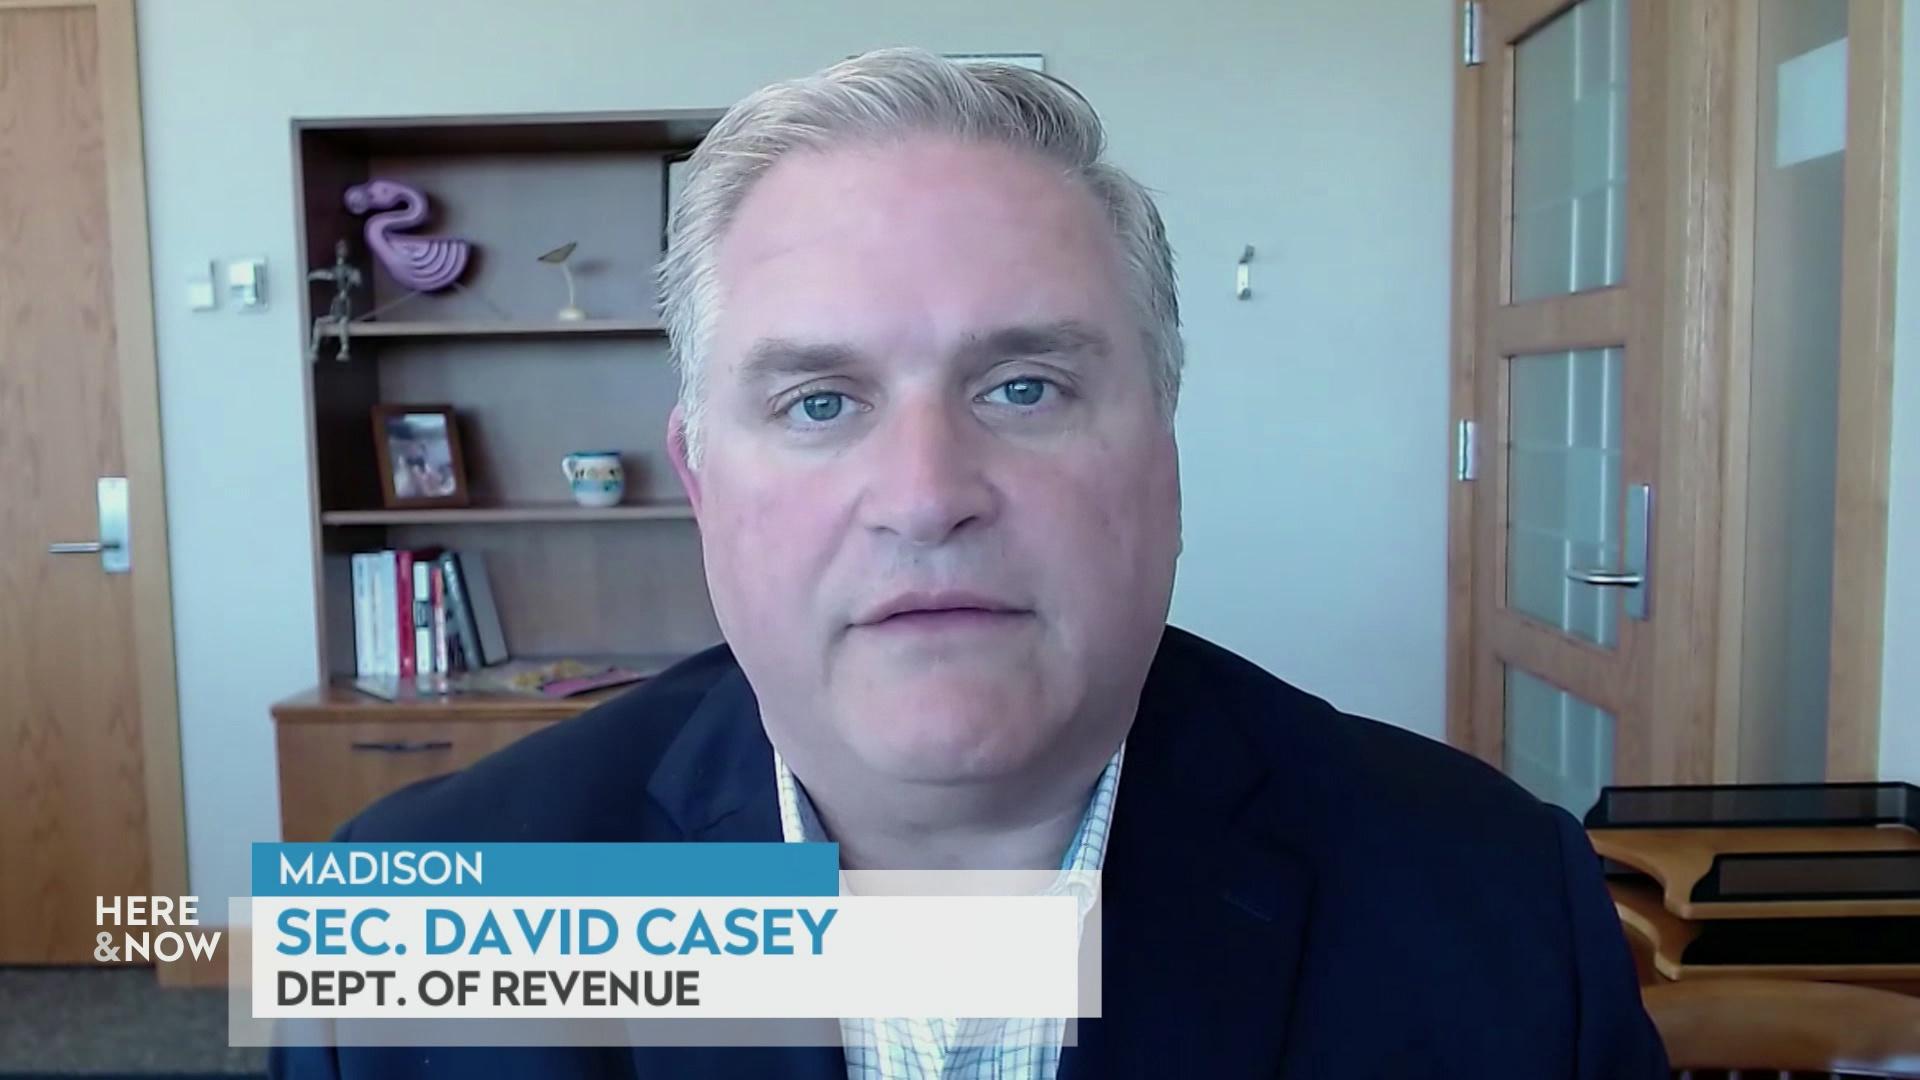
[419,451]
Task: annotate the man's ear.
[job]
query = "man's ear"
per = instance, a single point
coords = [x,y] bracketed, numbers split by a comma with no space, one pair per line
[677,452]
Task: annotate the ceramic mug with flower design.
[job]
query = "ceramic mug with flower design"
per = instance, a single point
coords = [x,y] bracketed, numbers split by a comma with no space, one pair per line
[596,476]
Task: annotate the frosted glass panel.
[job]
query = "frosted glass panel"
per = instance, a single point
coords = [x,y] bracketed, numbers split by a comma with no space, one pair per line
[1793,402]
[1569,152]
[1563,487]
[1560,747]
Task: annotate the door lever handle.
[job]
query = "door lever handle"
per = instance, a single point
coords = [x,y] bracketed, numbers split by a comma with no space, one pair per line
[1616,579]
[1634,562]
[111,495]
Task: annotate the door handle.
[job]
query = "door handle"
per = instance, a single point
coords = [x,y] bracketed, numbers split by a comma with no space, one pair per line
[403,746]
[111,495]
[1613,579]
[1633,570]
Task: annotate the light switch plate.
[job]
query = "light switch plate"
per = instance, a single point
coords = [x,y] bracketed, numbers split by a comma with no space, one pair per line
[247,283]
[200,294]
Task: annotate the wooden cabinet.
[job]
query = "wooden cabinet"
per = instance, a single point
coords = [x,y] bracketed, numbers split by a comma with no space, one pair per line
[329,772]
[339,751]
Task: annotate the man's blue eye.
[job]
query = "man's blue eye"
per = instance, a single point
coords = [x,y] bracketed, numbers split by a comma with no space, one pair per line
[821,407]
[1022,391]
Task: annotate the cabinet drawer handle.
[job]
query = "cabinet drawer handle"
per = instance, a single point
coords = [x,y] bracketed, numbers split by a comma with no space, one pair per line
[421,746]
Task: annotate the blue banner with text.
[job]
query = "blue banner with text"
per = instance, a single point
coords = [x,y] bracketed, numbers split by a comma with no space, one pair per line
[443,870]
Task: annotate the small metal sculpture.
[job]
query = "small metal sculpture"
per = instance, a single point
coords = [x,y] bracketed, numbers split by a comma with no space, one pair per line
[345,278]
[558,257]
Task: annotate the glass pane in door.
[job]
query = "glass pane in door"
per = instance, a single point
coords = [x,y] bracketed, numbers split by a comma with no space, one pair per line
[1569,152]
[1793,403]
[1563,488]
[1559,747]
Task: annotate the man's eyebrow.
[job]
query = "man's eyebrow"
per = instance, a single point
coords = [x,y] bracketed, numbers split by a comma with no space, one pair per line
[771,358]
[1063,338]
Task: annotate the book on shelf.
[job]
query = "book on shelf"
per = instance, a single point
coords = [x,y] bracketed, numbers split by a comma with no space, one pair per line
[415,616]
[486,614]
[440,656]
[363,661]
[375,619]
[473,618]
[421,616]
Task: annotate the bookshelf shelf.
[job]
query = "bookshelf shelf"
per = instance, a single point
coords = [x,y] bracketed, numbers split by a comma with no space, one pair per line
[339,701]
[507,515]
[475,329]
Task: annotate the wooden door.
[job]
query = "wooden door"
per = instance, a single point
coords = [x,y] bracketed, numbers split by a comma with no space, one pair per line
[89,762]
[1617,607]
[1565,504]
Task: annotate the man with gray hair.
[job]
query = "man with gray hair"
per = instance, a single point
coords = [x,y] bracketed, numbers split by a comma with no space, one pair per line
[929,349]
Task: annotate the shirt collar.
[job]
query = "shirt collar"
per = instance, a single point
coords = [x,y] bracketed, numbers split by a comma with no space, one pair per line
[800,824]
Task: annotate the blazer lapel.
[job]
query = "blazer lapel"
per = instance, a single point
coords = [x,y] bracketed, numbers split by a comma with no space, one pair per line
[715,782]
[1204,901]
[1204,904]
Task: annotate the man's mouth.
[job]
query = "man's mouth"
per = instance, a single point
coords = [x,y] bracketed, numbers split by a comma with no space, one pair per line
[941,610]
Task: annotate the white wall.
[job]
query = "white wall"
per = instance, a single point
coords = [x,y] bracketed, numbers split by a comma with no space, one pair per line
[1315,426]
[1900,674]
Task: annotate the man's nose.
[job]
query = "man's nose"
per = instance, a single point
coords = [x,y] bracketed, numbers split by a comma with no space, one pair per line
[928,475]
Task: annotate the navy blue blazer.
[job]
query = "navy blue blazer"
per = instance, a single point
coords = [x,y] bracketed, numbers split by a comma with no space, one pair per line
[1288,891]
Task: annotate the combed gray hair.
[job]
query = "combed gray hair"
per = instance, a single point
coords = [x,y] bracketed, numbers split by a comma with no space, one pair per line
[881,95]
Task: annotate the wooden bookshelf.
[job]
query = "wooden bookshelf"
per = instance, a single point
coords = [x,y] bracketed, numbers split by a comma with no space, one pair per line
[508,515]
[527,388]
[427,328]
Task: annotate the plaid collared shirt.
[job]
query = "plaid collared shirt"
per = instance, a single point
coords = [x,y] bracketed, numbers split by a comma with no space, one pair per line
[907,1048]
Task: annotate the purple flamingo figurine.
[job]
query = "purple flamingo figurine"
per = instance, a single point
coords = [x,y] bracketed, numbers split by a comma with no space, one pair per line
[420,263]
